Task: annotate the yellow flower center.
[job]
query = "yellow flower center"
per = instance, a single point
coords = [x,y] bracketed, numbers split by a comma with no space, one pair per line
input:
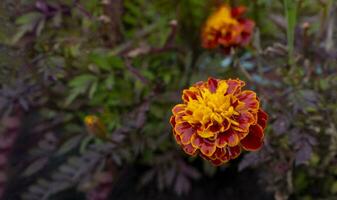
[211,109]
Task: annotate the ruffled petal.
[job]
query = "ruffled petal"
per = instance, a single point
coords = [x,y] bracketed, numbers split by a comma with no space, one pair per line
[254,140]
[246,34]
[179,108]
[225,125]
[189,149]
[262,114]
[185,131]
[233,139]
[212,84]
[176,137]
[249,98]
[234,152]
[206,147]
[229,138]
[172,121]
[244,120]
[234,86]
[238,11]
[216,162]
[221,140]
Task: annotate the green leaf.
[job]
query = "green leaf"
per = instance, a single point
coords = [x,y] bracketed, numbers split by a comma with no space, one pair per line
[93,89]
[29,18]
[74,93]
[116,62]
[81,80]
[69,145]
[21,32]
[110,82]
[100,60]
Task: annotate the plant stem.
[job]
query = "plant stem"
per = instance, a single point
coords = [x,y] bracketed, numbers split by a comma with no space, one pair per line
[290,13]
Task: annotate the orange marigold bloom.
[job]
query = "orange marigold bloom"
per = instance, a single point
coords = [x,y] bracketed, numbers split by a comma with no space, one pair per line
[217,119]
[227,28]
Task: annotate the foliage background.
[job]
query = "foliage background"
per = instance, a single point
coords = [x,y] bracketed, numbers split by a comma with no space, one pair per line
[127,61]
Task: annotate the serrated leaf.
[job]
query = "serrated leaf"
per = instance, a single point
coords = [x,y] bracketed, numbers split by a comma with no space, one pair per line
[69,145]
[31,17]
[93,89]
[35,166]
[81,80]
[74,93]
[110,82]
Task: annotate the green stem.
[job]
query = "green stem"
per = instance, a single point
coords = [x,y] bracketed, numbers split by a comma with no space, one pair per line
[290,13]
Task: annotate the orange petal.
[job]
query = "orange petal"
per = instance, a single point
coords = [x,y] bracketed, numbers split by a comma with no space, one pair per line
[225,125]
[206,147]
[234,86]
[233,139]
[221,140]
[245,119]
[176,137]
[185,130]
[229,137]
[262,114]
[234,152]
[246,34]
[189,149]
[248,25]
[262,123]
[216,162]
[238,11]
[212,84]
[179,108]
[214,127]
[219,152]
[179,117]
[222,154]
[172,121]
[254,140]
[250,100]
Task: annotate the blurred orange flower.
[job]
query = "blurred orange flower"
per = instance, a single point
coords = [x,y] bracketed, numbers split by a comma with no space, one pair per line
[217,119]
[227,28]
[96,127]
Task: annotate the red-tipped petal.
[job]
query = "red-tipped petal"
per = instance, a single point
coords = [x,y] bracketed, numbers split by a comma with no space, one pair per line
[189,149]
[262,114]
[172,121]
[185,131]
[221,140]
[207,147]
[238,11]
[249,98]
[234,86]
[216,162]
[176,137]
[212,84]
[178,109]
[254,140]
[245,119]
[234,152]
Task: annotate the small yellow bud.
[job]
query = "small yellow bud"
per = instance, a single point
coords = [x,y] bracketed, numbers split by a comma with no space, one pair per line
[96,127]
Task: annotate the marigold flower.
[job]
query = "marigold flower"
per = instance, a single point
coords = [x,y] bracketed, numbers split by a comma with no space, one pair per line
[96,127]
[227,28]
[217,119]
